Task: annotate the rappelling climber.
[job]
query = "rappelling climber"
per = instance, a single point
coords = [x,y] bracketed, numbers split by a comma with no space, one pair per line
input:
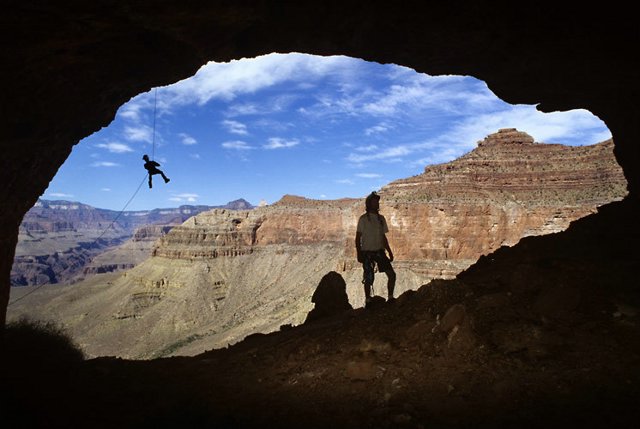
[152,168]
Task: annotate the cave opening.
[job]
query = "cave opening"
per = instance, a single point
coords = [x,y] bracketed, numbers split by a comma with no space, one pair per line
[551,343]
[322,128]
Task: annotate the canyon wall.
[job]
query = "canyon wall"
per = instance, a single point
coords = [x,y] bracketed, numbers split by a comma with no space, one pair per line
[440,221]
[64,241]
[225,274]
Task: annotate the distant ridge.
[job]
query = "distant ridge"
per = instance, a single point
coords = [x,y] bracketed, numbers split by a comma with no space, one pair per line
[59,238]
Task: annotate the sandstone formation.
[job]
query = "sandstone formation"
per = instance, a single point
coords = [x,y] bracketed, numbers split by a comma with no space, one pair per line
[440,221]
[62,241]
[507,188]
[225,274]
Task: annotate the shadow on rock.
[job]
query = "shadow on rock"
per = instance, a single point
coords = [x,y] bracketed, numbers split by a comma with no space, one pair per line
[330,297]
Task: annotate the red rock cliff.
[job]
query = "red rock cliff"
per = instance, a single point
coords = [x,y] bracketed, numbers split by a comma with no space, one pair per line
[440,221]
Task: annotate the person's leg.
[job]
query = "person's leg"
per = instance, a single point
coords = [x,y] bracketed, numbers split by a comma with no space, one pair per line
[391,283]
[384,265]
[368,276]
[367,291]
[150,185]
[166,179]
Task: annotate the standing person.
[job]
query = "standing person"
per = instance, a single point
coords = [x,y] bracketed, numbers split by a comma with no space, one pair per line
[152,168]
[371,243]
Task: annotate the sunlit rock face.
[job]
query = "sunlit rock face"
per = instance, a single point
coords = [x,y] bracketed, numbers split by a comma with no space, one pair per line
[509,187]
[440,221]
[64,241]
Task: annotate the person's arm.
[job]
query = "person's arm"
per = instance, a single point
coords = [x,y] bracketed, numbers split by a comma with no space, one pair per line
[385,229]
[358,244]
[386,246]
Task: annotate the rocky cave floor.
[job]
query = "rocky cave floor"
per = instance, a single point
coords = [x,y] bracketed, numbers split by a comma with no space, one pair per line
[543,334]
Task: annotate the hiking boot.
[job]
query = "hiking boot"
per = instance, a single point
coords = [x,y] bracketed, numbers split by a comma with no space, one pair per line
[166,180]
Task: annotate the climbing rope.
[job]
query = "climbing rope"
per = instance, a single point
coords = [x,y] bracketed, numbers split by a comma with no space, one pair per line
[153,137]
[94,241]
[153,151]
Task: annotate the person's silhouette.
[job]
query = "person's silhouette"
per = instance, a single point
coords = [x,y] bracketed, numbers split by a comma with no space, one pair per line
[371,243]
[152,168]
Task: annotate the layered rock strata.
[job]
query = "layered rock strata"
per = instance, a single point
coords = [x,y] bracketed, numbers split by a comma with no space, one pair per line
[440,221]
[225,274]
[128,255]
[63,241]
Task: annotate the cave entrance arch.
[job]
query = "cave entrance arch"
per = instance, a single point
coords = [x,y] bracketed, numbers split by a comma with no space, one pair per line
[385,107]
[563,60]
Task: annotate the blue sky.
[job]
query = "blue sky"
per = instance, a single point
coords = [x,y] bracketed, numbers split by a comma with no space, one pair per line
[318,127]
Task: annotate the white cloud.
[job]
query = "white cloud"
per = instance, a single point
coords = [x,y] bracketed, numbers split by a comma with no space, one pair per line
[243,109]
[398,95]
[235,127]
[280,143]
[115,147]
[105,189]
[104,164]
[344,181]
[272,125]
[575,127]
[59,195]
[194,155]
[384,153]
[140,133]
[369,175]
[368,148]
[186,197]
[225,81]
[187,140]
[377,129]
[237,145]
[420,92]
[131,110]
[406,95]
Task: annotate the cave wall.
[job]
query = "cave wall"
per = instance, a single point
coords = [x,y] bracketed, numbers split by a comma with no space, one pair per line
[69,66]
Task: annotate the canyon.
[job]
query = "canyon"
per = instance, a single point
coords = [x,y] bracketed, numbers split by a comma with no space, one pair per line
[64,241]
[225,274]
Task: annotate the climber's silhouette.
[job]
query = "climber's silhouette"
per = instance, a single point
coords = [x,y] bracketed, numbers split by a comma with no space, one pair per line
[152,168]
[371,244]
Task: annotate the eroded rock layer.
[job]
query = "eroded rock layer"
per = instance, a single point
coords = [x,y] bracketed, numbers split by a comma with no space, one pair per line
[440,221]
[225,274]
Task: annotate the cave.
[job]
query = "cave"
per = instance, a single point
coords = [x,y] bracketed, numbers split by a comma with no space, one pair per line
[68,67]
